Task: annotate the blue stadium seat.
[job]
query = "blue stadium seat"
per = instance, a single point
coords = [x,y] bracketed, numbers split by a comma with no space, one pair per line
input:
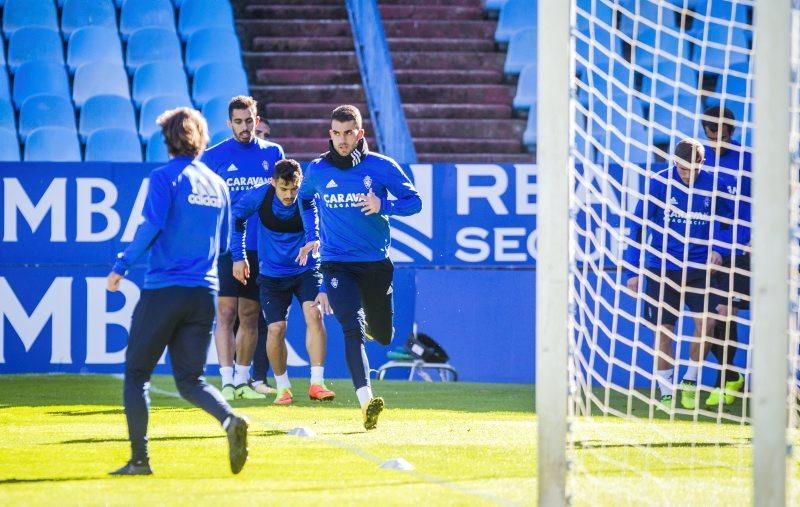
[152,109]
[5,88]
[155,44]
[494,5]
[525,97]
[93,44]
[34,43]
[724,10]
[521,51]
[515,15]
[215,112]
[158,78]
[688,102]
[113,145]
[592,13]
[647,13]
[653,46]
[209,46]
[24,13]
[45,111]
[737,81]
[99,78]
[668,77]
[77,14]
[631,144]
[529,136]
[53,144]
[144,14]
[37,77]
[7,118]
[218,80]
[9,146]
[156,149]
[668,117]
[102,110]
[199,14]
[724,46]
[2,51]
[218,137]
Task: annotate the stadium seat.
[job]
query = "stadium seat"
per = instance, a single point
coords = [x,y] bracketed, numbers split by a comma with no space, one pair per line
[34,43]
[666,118]
[53,144]
[156,149]
[218,80]
[102,110]
[529,136]
[77,14]
[149,45]
[45,111]
[144,14]
[687,102]
[199,14]
[2,51]
[737,81]
[521,50]
[219,136]
[653,47]
[591,13]
[494,5]
[7,118]
[724,10]
[93,44]
[99,78]
[113,145]
[515,15]
[9,145]
[526,88]
[630,145]
[5,88]
[215,112]
[722,46]
[26,13]
[158,78]
[209,46]
[668,77]
[647,14]
[152,109]
[36,77]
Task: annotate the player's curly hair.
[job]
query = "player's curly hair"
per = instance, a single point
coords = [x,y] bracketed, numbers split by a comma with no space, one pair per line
[185,131]
[242,102]
[347,113]
[288,170]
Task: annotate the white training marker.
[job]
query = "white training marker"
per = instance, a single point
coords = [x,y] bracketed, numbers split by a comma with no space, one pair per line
[397,464]
[301,432]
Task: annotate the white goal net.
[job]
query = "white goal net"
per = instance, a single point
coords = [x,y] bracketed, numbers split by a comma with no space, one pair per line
[660,350]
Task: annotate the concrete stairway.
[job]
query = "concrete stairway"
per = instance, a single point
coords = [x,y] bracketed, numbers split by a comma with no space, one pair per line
[456,101]
[301,63]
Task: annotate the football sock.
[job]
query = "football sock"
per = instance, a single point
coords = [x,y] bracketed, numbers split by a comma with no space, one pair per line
[241,375]
[317,374]
[664,378]
[227,374]
[282,381]
[691,374]
[364,395]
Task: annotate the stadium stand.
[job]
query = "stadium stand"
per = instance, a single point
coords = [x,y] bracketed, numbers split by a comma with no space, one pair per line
[521,50]
[154,44]
[153,107]
[27,13]
[158,78]
[210,46]
[197,15]
[145,14]
[34,43]
[77,14]
[45,111]
[156,149]
[54,144]
[9,146]
[33,78]
[515,15]
[216,114]
[99,78]
[97,110]
[7,117]
[218,80]
[93,44]
[113,145]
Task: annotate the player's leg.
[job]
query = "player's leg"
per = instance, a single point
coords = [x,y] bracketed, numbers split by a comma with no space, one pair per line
[342,287]
[247,334]
[660,311]
[703,304]
[276,298]
[259,381]
[306,290]
[152,324]
[226,319]
[377,296]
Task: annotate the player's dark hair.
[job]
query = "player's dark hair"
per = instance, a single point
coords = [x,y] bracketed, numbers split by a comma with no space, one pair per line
[347,113]
[242,102]
[288,170]
[690,150]
[185,131]
[715,116]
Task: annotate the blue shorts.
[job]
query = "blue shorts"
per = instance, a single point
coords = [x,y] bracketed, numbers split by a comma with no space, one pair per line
[276,293]
[231,287]
[693,293]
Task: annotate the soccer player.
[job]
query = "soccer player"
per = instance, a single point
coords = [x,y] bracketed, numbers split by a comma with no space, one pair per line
[352,185]
[244,162]
[186,225]
[727,155]
[280,237]
[679,214]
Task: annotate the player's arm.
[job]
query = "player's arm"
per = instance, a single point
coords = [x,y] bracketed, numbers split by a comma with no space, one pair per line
[155,212]
[244,208]
[310,219]
[226,227]
[725,208]
[633,251]
[408,201]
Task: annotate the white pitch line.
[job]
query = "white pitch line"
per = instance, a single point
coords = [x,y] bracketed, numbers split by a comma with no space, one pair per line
[153,389]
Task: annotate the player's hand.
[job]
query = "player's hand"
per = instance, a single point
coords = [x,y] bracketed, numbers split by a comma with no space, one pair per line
[302,256]
[370,203]
[241,271]
[324,304]
[633,284]
[715,259]
[113,280]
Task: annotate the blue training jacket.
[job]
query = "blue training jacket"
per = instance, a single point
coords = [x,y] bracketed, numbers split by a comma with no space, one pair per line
[680,221]
[737,163]
[277,251]
[346,233]
[244,166]
[186,225]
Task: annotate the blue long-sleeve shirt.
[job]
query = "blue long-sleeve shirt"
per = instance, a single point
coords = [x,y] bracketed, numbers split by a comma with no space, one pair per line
[186,225]
[346,233]
[277,251]
[682,222]
[244,166]
[737,163]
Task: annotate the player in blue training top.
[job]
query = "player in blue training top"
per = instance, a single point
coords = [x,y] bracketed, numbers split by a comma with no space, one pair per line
[280,238]
[728,156]
[682,212]
[186,224]
[352,185]
[244,162]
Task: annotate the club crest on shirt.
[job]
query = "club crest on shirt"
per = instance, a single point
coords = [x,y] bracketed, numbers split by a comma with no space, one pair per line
[265,165]
[367,182]
[707,202]
[334,282]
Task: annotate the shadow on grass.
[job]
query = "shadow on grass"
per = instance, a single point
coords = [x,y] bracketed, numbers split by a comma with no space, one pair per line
[264,433]
[14,480]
